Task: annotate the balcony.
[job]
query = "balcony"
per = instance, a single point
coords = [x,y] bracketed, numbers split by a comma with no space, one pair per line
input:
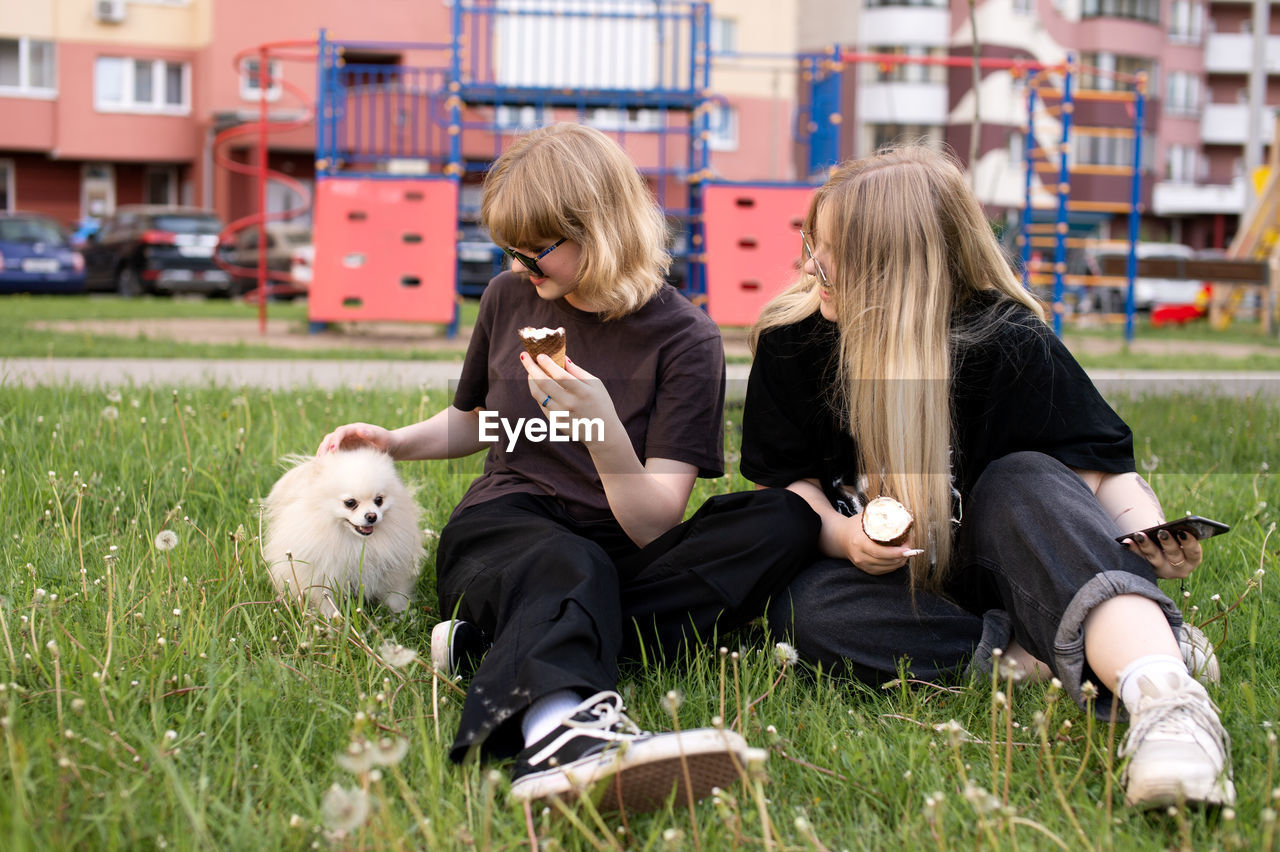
[1232,53]
[905,25]
[1189,199]
[1227,124]
[902,103]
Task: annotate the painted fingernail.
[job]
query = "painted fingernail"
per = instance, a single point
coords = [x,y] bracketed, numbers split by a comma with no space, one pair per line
[1139,537]
[1164,535]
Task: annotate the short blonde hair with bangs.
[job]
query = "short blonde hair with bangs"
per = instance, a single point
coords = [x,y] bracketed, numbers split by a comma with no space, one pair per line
[566,180]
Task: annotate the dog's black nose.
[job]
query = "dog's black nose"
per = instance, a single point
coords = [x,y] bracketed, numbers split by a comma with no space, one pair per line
[371,517]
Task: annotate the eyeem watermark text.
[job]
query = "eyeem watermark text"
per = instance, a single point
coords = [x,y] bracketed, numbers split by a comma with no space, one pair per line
[558,427]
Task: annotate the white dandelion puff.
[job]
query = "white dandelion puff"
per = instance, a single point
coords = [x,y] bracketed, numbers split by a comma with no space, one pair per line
[357,758]
[166,540]
[389,751]
[110,413]
[396,656]
[785,654]
[345,809]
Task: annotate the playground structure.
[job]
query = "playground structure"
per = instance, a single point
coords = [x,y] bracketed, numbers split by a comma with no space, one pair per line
[399,147]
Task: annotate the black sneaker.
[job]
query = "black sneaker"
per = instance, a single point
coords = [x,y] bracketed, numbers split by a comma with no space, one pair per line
[601,753]
[456,647]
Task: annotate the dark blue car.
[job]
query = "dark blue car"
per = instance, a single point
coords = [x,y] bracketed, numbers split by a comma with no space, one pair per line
[36,256]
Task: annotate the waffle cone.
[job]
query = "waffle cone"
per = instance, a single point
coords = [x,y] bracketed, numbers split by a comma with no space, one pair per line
[552,345]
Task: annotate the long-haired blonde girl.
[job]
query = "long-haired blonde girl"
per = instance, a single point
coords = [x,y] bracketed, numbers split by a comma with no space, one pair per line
[907,361]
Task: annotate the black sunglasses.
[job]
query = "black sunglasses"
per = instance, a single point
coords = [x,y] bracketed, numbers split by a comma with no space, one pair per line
[531,263]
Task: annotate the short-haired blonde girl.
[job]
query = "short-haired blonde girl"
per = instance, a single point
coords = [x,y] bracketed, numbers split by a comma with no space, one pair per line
[567,553]
[908,362]
[536,193]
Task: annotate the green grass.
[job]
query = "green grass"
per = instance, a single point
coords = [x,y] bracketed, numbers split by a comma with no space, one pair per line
[19,336]
[224,734]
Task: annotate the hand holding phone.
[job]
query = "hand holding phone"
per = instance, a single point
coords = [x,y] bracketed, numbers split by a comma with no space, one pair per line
[1197,526]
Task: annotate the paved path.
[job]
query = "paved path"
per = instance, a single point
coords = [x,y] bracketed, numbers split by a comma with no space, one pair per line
[301,373]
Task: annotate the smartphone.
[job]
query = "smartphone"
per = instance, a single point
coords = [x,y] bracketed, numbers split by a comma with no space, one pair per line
[1199,527]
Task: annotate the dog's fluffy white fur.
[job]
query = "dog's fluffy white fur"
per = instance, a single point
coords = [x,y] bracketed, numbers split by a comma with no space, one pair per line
[340,521]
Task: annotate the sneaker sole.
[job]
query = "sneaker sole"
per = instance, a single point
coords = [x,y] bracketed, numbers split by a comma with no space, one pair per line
[440,646]
[639,779]
[1175,791]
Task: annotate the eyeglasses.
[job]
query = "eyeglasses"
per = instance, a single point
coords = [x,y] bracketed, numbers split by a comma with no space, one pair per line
[531,263]
[809,255]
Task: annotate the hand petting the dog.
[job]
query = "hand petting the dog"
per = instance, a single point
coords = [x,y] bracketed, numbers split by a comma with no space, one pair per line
[354,435]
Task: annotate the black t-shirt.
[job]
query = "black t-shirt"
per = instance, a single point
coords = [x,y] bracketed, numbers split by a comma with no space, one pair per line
[663,366]
[1017,388]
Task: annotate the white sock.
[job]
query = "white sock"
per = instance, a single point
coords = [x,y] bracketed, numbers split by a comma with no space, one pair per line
[1149,666]
[546,714]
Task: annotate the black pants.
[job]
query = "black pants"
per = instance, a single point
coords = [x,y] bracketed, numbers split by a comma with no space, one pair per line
[1037,552]
[563,600]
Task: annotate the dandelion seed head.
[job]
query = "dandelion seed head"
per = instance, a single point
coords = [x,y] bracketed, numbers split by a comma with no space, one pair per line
[1089,690]
[785,654]
[345,808]
[671,702]
[395,655]
[166,540]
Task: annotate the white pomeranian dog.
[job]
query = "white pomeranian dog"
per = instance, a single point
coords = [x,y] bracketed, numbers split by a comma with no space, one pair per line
[339,522]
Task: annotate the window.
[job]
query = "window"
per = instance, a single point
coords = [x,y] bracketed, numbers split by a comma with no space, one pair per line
[607,118]
[1109,149]
[907,72]
[1183,95]
[937,4]
[521,117]
[6,185]
[722,127]
[888,135]
[1138,10]
[1108,72]
[724,35]
[1180,164]
[1186,20]
[27,67]
[141,85]
[160,185]
[250,80]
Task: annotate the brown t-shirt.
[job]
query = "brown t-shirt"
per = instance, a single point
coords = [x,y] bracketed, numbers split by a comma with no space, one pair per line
[663,366]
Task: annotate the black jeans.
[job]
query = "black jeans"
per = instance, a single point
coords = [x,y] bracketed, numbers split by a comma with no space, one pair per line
[563,599]
[1036,553]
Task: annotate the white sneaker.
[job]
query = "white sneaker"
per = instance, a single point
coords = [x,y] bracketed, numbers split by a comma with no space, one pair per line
[599,752]
[1198,654]
[1178,750]
[456,647]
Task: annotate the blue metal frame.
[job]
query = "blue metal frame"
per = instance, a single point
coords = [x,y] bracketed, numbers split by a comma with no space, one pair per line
[1135,201]
[369,115]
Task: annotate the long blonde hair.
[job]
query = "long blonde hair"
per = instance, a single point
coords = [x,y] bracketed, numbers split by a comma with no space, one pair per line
[566,180]
[906,243]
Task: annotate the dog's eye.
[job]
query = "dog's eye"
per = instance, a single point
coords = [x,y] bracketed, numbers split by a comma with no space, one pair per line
[350,503]
[377,501]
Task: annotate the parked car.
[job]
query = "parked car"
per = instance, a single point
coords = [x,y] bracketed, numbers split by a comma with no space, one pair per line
[1147,292]
[145,248]
[36,256]
[289,255]
[478,259]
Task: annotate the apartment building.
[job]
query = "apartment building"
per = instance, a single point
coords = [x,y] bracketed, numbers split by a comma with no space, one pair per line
[1204,184]
[109,102]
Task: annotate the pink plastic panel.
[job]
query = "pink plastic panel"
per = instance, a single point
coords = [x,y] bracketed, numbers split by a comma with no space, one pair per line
[385,250]
[752,246]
